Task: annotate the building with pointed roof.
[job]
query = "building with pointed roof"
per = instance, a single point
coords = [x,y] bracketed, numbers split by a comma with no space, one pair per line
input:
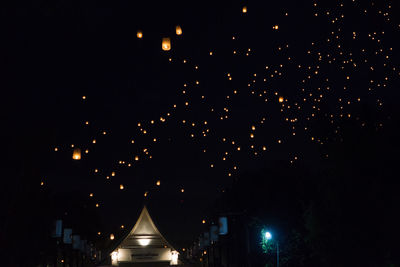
[144,246]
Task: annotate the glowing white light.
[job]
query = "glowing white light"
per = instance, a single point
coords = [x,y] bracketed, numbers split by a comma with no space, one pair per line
[144,242]
[114,256]
[174,257]
[268,235]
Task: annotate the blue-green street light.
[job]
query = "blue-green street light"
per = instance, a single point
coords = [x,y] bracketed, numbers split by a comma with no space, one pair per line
[268,235]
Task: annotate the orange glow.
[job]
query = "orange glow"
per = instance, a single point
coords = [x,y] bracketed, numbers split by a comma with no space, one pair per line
[166,44]
[77,154]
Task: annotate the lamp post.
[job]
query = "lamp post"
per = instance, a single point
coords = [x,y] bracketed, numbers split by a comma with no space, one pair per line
[268,236]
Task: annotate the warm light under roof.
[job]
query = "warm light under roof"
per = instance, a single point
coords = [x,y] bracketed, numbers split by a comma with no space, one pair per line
[144,242]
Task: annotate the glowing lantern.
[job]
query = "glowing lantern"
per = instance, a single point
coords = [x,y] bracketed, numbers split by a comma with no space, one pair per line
[112,237]
[244,9]
[77,154]
[121,186]
[158,183]
[275,27]
[112,173]
[139,34]
[166,44]
[178,30]
[281,99]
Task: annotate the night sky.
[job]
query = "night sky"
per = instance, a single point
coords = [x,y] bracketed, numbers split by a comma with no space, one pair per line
[238,92]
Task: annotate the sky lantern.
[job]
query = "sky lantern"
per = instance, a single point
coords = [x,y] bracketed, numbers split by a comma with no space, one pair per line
[244,9]
[158,183]
[166,44]
[121,186]
[178,30]
[76,155]
[281,99]
[139,34]
[112,237]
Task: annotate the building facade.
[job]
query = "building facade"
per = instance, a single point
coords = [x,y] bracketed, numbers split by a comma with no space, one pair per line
[144,246]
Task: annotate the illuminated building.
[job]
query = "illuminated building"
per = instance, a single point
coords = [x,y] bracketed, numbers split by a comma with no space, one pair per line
[144,246]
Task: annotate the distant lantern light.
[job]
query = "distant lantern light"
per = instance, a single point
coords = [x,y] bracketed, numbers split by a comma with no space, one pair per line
[158,183]
[146,193]
[122,226]
[91,195]
[76,155]
[178,30]
[244,9]
[203,221]
[139,34]
[112,237]
[136,158]
[166,44]
[121,186]
[275,27]
[112,173]
[281,99]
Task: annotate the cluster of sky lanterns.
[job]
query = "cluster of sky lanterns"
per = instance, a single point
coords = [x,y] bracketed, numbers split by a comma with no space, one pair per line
[315,96]
[165,41]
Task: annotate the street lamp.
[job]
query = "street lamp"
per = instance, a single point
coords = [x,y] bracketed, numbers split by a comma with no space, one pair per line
[268,236]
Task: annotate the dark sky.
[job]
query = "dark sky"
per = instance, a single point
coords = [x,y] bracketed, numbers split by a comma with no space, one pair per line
[325,66]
